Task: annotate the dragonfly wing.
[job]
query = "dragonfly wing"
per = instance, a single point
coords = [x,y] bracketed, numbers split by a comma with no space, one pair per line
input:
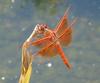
[49,50]
[66,37]
[62,25]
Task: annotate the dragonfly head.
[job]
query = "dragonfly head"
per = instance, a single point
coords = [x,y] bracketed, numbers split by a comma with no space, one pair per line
[40,28]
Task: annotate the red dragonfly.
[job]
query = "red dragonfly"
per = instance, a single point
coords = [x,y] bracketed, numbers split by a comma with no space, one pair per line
[52,41]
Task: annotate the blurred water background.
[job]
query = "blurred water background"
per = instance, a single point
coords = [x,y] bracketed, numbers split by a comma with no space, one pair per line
[19,17]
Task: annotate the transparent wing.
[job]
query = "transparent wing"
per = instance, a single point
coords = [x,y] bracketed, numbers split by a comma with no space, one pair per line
[63,24]
[49,50]
[66,37]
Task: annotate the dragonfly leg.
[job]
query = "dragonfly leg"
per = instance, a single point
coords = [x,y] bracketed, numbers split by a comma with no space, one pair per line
[40,41]
[63,57]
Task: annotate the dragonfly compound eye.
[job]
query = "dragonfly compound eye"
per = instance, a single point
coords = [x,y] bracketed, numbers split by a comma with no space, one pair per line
[45,26]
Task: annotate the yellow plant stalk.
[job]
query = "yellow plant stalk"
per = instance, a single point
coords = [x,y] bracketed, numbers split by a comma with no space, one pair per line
[26,77]
[27,58]
[26,69]
[28,74]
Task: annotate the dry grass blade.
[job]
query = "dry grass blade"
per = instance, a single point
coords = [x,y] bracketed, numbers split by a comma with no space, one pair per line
[28,74]
[26,68]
